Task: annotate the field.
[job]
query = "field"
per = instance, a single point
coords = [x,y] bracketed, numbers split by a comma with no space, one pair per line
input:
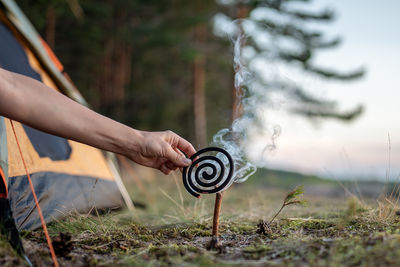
[336,228]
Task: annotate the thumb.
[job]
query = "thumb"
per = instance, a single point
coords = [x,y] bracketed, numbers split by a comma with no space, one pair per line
[177,159]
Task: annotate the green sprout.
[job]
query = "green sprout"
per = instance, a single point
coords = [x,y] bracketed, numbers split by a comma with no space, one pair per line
[294,197]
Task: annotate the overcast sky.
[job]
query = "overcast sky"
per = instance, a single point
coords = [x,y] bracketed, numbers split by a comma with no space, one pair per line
[371,37]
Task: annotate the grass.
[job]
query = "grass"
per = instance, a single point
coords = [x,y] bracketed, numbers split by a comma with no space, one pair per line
[175,229]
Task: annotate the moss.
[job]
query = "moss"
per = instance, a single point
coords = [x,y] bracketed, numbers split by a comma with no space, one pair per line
[138,229]
[307,224]
[243,228]
[146,237]
[174,254]
[257,251]
[168,232]
[321,235]
[196,230]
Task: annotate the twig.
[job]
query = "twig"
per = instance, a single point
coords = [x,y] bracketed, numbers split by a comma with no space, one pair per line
[276,214]
[214,243]
[217,210]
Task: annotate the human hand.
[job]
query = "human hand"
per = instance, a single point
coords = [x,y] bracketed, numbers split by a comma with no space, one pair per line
[162,151]
[32,103]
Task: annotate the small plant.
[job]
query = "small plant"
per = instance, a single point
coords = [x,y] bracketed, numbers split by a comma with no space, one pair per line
[294,197]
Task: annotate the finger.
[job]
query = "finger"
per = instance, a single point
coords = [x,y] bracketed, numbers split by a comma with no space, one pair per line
[170,166]
[146,161]
[185,147]
[181,153]
[178,151]
[176,158]
[165,169]
[149,161]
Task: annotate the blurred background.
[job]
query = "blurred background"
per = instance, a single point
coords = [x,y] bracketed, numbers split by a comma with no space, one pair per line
[326,70]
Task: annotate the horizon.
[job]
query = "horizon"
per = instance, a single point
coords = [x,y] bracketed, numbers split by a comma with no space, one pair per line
[360,149]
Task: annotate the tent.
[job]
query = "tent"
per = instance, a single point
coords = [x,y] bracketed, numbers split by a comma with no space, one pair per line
[67,176]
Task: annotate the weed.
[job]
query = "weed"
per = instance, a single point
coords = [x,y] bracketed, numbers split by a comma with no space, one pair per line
[292,198]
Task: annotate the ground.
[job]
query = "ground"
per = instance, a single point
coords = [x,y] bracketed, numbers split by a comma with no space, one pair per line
[175,229]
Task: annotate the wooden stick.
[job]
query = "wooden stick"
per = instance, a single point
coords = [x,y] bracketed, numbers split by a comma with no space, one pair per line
[217,210]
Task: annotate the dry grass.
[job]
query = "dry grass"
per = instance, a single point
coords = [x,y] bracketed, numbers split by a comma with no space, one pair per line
[176,227]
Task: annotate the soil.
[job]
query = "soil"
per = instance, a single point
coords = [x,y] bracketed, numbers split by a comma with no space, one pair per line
[328,232]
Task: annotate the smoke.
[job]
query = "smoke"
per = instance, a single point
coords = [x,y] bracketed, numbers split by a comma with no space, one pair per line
[250,110]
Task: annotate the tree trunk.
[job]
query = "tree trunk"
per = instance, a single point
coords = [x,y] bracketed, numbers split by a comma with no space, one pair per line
[200,121]
[122,76]
[237,109]
[115,73]
[51,26]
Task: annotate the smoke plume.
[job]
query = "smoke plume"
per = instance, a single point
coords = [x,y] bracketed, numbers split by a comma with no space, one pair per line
[250,112]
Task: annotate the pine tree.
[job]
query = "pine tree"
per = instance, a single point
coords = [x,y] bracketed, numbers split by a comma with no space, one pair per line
[292,42]
[135,60]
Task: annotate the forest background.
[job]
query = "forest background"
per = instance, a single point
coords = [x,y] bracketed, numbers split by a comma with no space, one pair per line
[158,65]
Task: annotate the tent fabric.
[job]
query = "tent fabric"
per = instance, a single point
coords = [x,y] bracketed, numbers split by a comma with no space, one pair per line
[3,159]
[84,160]
[67,176]
[3,148]
[47,145]
[3,185]
[14,58]
[15,18]
[59,194]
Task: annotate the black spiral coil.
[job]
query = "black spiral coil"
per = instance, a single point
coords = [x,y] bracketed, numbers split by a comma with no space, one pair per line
[203,182]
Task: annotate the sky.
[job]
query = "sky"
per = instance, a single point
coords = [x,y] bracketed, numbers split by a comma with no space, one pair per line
[369,147]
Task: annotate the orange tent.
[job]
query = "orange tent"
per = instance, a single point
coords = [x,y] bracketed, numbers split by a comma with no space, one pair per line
[67,176]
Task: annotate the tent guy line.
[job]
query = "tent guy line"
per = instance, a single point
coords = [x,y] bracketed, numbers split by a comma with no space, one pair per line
[44,226]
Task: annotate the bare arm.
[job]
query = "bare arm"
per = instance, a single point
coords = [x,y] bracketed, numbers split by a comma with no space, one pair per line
[28,101]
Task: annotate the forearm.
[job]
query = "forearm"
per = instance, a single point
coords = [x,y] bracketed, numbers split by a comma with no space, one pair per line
[34,104]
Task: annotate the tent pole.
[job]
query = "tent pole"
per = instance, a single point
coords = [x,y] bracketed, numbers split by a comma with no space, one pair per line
[118,180]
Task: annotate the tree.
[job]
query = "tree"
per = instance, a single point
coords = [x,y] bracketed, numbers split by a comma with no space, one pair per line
[142,62]
[293,43]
